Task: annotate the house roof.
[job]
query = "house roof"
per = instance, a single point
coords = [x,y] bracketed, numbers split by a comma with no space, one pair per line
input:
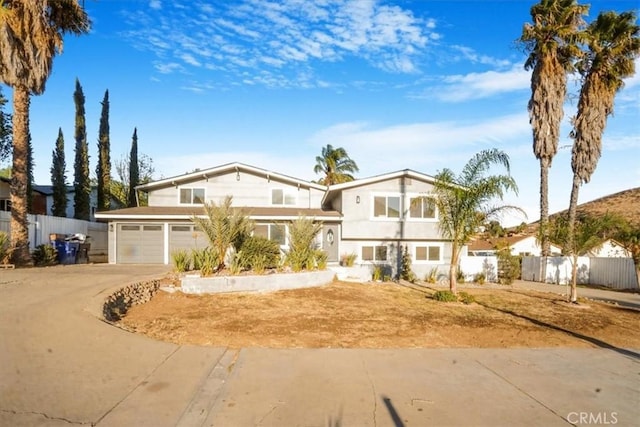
[186,212]
[332,190]
[230,167]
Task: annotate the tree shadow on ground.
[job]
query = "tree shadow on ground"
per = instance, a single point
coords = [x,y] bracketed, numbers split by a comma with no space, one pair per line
[594,341]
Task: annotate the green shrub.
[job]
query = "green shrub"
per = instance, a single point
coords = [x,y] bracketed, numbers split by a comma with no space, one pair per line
[348,260]
[5,248]
[321,259]
[480,278]
[378,271]
[466,298]
[407,273]
[508,267]
[44,255]
[209,262]
[460,275]
[445,296]
[197,258]
[181,260]
[302,236]
[236,266]
[259,253]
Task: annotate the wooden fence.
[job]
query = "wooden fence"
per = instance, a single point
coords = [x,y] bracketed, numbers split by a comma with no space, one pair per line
[42,226]
[616,273]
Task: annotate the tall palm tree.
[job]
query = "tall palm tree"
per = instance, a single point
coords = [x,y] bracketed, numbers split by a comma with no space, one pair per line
[460,199]
[31,34]
[336,165]
[551,43]
[613,42]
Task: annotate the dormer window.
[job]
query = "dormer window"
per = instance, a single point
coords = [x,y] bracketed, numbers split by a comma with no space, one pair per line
[192,196]
[281,197]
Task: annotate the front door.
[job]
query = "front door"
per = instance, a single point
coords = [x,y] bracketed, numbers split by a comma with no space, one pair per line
[330,240]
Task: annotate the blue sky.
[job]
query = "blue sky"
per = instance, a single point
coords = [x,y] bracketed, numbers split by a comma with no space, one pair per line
[422,85]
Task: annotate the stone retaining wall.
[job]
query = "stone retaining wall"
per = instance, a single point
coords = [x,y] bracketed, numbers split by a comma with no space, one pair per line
[117,304]
[261,283]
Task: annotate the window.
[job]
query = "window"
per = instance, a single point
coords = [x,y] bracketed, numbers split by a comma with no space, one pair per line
[5,205]
[192,196]
[275,232]
[281,197]
[386,207]
[428,253]
[422,207]
[374,253]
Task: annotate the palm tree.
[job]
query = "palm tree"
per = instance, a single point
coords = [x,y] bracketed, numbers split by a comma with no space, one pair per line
[31,34]
[460,199]
[613,42]
[551,43]
[336,166]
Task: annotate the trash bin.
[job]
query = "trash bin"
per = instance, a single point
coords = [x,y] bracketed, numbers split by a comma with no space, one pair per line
[67,252]
[83,253]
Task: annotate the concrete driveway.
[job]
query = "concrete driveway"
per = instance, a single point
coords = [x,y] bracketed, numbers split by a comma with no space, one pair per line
[61,365]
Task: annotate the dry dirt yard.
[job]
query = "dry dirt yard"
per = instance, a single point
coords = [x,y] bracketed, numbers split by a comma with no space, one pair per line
[387,315]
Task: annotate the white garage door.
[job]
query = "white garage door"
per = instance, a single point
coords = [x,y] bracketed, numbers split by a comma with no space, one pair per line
[185,236]
[140,244]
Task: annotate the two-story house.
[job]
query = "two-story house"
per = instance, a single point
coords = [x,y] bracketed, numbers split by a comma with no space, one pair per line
[374,218]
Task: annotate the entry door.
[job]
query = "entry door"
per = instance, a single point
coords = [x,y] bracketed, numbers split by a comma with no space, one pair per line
[330,240]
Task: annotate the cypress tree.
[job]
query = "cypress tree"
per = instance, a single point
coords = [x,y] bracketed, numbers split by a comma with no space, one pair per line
[103,169]
[6,131]
[58,178]
[81,183]
[134,172]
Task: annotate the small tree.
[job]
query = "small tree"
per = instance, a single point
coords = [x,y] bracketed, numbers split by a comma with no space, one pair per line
[120,186]
[81,182]
[459,199]
[302,236]
[59,178]
[407,273]
[222,225]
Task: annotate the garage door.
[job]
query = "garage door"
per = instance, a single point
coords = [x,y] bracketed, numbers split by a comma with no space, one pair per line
[184,236]
[140,244]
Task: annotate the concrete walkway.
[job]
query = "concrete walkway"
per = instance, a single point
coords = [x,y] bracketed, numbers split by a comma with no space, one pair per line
[61,365]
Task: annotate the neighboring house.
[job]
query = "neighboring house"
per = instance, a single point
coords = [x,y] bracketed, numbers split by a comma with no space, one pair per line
[47,191]
[610,249]
[38,198]
[373,218]
[520,245]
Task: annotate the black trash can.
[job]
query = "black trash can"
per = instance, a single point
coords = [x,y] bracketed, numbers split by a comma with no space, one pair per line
[83,253]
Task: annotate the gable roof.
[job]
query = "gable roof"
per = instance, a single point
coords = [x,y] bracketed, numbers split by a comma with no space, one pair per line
[483,244]
[334,189]
[229,167]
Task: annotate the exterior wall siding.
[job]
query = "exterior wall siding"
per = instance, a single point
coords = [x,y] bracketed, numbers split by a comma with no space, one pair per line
[249,190]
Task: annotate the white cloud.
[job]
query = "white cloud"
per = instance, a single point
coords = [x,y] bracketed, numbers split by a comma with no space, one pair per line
[155,4]
[460,88]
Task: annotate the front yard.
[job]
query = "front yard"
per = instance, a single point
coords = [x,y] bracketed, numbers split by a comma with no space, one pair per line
[388,315]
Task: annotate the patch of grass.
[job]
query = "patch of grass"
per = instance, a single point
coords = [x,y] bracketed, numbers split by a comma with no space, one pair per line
[466,298]
[445,296]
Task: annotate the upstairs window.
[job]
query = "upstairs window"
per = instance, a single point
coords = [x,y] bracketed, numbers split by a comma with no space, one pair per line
[280,197]
[192,196]
[386,207]
[422,208]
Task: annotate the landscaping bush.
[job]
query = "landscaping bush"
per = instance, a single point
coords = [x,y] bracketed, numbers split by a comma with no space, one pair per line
[432,275]
[302,236]
[466,298]
[508,267]
[258,253]
[378,271]
[480,278]
[44,255]
[407,273]
[348,260]
[321,259]
[445,296]
[181,260]
[210,261]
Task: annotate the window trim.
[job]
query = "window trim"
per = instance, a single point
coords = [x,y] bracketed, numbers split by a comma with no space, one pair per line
[427,245]
[421,219]
[285,191]
[374,260]
[191,189]
[372,215]
[285,232]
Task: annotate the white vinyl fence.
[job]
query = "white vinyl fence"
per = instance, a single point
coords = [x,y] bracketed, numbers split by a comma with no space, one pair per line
[616,273]
[41,226]
[473,265]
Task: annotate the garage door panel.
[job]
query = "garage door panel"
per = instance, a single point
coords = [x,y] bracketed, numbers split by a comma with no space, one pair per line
[140,244]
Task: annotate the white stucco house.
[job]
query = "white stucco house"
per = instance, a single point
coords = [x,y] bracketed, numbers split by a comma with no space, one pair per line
[520,245]
[374,218]
[610,249]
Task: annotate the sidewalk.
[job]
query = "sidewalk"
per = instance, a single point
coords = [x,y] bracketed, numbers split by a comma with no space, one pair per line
[61,365]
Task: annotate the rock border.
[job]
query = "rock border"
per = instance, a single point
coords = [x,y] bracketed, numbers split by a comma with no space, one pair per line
[117,304]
